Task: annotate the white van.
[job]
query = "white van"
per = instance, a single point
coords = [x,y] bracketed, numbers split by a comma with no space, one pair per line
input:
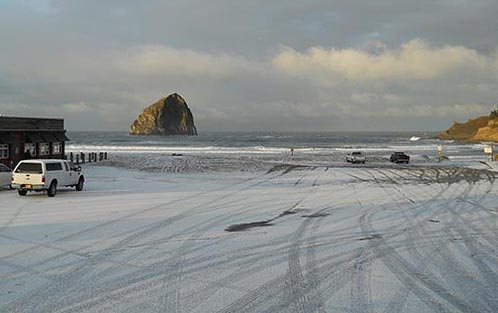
[41,175]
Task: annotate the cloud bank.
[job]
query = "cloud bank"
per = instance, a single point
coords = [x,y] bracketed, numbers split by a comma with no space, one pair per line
[414,60]
[311,90]
[103,82]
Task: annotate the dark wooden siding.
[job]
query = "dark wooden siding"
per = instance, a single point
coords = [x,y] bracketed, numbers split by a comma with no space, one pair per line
[17,131]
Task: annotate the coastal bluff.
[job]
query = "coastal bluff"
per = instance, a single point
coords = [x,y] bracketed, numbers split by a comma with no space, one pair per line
[484,128]
[167,116]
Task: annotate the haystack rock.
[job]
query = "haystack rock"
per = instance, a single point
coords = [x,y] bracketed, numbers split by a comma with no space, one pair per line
[168,116]
[484,128]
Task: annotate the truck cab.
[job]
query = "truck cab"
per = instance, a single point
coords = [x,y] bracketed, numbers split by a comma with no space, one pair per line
[46,175]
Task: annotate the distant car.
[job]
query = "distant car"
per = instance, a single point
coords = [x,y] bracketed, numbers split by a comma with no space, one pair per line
[41,175]
[5,176]
[399,157]
[356,157]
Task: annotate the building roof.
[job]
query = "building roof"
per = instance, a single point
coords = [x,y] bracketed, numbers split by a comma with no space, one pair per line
[30,123]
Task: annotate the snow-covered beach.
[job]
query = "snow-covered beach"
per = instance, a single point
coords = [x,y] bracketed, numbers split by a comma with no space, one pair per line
[299,235]
[188,156]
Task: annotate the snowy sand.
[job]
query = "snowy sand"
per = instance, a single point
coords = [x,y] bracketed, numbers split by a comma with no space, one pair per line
[303,238]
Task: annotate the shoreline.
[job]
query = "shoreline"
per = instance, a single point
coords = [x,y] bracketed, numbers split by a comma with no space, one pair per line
[161,163]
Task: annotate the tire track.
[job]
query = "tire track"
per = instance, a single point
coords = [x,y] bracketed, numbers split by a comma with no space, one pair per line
[296,284]
[471,180]
[449,261]
[60,285]
[490,277]
[123,218]
[398,303]
[360,283]
[178,261]
[418,282]
[17,212]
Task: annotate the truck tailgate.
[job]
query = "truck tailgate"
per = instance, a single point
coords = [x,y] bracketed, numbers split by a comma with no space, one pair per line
[28,179]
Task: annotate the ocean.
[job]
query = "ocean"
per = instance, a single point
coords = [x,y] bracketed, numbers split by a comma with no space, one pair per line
[256,147]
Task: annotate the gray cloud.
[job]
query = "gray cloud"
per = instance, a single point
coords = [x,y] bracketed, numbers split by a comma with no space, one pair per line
[279,65]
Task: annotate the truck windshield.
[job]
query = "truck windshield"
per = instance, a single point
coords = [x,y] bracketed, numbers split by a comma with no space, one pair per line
[26,167]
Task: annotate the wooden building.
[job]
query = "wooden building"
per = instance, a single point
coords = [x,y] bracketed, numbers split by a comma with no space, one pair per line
[29,138]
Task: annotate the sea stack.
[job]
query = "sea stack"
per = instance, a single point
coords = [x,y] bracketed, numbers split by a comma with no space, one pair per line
[484,128]
[168,116]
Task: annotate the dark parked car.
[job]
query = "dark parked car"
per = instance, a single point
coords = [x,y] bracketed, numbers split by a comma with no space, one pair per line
[399,157]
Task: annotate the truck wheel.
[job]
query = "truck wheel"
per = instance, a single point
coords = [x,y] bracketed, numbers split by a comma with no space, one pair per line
[52,190]
[79,186]
[22,192]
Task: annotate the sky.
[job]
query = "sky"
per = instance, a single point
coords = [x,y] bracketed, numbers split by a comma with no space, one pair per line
[279,65]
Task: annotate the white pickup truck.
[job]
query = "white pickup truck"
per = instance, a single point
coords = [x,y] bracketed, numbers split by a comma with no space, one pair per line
[356,157]
[41,175]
